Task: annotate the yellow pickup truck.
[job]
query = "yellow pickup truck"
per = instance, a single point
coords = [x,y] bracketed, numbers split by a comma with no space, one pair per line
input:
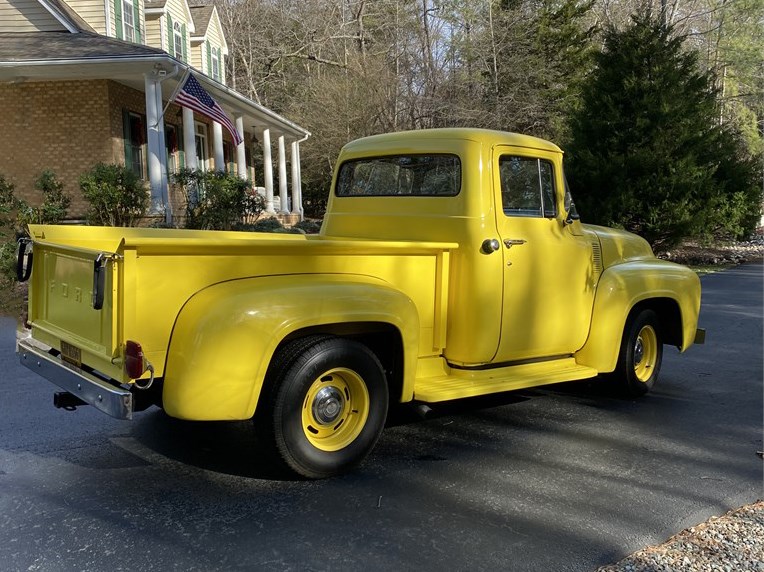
[451,263]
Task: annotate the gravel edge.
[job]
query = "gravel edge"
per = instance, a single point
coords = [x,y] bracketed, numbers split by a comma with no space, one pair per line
[729,543]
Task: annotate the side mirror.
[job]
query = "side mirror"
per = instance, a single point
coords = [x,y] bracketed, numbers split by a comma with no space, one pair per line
[570,217]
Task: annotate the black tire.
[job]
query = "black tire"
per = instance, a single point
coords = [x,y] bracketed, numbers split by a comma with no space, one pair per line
[328,405]
[640,356]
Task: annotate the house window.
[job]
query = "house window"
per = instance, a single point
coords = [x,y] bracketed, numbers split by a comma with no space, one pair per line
[134,128]
[200,138]
[229,155]
[177,33]
[173,145]
[215,64]
[128,20]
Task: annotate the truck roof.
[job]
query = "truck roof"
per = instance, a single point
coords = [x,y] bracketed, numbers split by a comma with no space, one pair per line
[487,136]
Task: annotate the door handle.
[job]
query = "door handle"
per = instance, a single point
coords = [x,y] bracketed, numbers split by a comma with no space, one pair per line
[510,242]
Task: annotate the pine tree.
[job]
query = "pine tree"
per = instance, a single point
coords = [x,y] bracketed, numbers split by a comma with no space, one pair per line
[646,145]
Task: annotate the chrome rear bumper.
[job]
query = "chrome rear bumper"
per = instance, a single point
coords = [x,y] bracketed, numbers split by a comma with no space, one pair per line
[112,400]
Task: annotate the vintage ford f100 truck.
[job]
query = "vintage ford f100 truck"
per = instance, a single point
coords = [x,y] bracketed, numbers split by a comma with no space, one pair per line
[451,263]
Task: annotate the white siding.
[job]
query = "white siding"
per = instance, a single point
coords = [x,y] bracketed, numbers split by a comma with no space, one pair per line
[154,34]
[196,57]
[92,11]
[27,16]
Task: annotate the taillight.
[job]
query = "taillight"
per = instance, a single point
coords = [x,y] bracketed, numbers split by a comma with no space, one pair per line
[135,365]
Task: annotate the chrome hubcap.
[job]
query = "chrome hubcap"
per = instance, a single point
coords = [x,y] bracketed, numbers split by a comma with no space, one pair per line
[327,405]
[639,351]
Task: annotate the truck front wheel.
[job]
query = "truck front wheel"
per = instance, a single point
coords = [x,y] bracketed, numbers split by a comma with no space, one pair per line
[641,353]
[329,404]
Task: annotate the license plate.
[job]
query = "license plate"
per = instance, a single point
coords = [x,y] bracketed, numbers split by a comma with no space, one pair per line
[71,354]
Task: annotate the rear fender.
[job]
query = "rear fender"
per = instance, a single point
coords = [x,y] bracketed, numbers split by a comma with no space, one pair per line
[225,335]
[620,289]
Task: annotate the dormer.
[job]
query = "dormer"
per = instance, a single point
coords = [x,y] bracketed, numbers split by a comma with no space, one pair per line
[169,26]
[208,45]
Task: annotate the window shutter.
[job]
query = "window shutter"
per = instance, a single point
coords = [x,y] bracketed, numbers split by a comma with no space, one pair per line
[170,36]
[137,20]
[185,49]
[209,60]
[118,18]
[127,139]
[220,65]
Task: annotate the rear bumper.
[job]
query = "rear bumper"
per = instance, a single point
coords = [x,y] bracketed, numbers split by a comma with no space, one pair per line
[112,400]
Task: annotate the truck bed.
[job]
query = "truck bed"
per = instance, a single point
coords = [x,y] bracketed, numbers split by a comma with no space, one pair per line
[151,273]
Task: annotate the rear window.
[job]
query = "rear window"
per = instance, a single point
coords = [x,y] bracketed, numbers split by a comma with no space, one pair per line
[401,175]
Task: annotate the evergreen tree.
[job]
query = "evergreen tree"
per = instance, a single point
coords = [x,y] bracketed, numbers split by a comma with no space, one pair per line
[647,150]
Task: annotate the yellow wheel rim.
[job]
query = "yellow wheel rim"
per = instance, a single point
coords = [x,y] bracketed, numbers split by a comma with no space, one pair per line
[645,353]
[335,409]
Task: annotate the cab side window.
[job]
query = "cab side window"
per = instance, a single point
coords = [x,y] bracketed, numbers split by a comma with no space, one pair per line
[527,187]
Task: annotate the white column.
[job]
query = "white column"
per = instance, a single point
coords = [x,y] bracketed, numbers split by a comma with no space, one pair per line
[295,179]
[155,147]
[165,183]
[189,139]
[283,201]
[217,144]
[241,155]
[268,171]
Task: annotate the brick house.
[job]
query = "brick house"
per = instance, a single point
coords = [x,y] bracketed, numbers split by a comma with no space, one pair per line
[88,81]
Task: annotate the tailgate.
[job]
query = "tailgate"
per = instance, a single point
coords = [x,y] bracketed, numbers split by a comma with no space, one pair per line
[73,303]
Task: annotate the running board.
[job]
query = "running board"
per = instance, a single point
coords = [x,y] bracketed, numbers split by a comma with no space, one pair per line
[459,383]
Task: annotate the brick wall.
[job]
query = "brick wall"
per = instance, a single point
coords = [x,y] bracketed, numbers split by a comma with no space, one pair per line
[62,126]
[69,126]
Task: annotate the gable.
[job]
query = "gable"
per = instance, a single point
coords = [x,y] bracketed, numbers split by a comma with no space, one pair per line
[215,32]
[27,16]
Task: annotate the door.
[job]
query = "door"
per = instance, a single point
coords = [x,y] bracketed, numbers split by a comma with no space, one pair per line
[548,267]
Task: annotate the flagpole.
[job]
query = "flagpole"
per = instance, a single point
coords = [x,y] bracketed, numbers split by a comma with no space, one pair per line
[174,93]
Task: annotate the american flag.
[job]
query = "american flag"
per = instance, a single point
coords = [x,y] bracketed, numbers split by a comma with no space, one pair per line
[194,96]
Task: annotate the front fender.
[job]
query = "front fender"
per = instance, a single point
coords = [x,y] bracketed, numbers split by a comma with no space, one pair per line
[225,335]
[623,286]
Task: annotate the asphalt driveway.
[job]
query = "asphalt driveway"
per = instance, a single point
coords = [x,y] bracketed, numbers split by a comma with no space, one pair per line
[563,478]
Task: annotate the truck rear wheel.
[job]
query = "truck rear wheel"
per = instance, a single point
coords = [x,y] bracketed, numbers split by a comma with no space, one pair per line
[329,404]
[641,354]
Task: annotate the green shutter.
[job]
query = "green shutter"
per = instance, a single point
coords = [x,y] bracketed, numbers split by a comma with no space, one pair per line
[170,36]
[220,65]
[209,59]
[183,35]
[137,17]
[118,18]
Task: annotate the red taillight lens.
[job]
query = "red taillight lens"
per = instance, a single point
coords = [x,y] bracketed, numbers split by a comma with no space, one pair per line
[134,363]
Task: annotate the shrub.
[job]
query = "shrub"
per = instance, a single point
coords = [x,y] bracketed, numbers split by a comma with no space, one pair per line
[309,226]
[116,195]
[216,200]
[270,224]
[16,213]
[8,206]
